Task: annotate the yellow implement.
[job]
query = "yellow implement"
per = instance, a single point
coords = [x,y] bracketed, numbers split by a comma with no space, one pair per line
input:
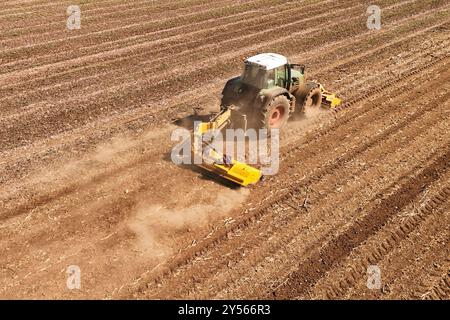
[231,169]
[329,98]
[218,163]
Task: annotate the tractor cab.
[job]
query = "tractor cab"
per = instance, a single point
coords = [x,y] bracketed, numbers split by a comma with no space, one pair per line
[265,71]
[270,70]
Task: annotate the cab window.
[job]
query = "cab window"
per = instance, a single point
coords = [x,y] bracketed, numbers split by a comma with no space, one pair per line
[271,78]
[280,76]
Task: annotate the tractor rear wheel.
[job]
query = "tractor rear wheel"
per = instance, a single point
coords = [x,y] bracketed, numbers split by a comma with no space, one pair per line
[276,114]
[308,97]
[314,99]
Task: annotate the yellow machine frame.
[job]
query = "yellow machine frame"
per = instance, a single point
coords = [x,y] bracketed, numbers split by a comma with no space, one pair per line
[218,163]
[329,98]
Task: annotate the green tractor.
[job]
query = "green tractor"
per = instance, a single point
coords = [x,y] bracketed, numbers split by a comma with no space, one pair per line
[271,90]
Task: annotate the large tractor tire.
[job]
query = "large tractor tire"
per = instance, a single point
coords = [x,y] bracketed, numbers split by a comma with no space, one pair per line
[276,114]
[307,97]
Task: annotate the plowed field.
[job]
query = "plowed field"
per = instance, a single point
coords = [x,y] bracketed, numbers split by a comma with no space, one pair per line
[86,179]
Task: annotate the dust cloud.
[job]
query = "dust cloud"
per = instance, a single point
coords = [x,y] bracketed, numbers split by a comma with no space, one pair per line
[155,226]
[301,125]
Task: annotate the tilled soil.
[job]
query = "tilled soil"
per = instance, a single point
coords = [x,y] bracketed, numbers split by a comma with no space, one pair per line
[86,177]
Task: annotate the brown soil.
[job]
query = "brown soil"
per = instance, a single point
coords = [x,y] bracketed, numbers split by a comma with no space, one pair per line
[86,179]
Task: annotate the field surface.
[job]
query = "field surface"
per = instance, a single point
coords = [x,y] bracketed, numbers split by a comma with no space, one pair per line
[86,179]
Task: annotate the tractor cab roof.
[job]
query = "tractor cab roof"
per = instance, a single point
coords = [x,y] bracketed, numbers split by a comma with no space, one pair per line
[268,61]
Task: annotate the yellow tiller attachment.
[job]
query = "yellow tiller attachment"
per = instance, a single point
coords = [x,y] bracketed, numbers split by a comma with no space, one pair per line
[329,98]
[218,163]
